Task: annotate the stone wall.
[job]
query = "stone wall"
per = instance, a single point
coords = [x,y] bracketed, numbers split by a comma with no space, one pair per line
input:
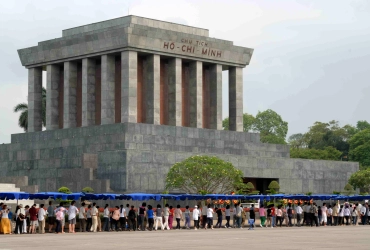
[133,157]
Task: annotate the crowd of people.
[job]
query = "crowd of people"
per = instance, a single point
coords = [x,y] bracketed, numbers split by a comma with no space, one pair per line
[92,218]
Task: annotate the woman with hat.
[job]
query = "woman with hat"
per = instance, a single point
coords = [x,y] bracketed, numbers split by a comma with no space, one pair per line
[5,225]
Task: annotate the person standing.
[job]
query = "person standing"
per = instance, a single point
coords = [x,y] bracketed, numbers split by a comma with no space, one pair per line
[196,214]
[341,216]
[314,214]
[59,214]
[219,217]
[72,213]
[204,215]
[335,214]
[82,217]
[51,216]
[166,214]
[159,217]
[20,217]
[290,215]
[252,217]
[33,219]
[324,214]
[142,214]
[187,217]
[347,214]
[88,218]
[106,218]
[227,216]
[273,216]
[122,218]
[41,217]
[95,218]
[354,216]
[115,218]
[209,217]
[279,216]
[170,217]
[5,224]
[319,212]
[329,213]
[178,217]
[150,214]
[262,214]
[132,218]
[299,212]
[238,214]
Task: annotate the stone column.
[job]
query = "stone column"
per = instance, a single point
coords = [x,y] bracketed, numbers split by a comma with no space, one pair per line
[235,99]
[107,89]
[129,86]
[152,85]
[196,94]
[70,93]
[88,92]
[216,97]
[34,99]
[174,92]
[52,97]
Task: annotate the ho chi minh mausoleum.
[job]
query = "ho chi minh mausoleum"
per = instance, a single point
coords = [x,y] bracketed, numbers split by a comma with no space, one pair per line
[129,97]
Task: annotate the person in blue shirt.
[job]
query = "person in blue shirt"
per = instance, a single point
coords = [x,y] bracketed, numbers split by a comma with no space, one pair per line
[150,215]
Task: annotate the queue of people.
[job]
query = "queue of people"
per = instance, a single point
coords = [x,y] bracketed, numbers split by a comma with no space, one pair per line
[91,218]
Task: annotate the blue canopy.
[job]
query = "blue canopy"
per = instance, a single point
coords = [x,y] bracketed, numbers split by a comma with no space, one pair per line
[14,196]
[323,196]
[47,195]
[175,197]
[140,197]
[103,196]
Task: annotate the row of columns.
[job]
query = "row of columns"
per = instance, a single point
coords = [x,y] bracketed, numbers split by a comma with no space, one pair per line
[132,88]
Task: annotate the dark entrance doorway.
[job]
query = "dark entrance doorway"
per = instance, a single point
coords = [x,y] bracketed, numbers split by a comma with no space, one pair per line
[260,184]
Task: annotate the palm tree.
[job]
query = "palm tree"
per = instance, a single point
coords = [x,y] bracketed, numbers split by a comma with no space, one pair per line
[23,108]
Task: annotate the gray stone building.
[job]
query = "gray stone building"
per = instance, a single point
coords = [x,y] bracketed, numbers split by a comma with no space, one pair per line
[129,97]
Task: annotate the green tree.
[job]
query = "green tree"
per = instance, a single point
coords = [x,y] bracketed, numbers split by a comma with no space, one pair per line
[328,153]
[360,147]
[248,121]
[271,126]
[64,190]
[273,187]
[361,179]
[296,141]
[361,125]
[88,190]
[348,189]
[204,175]
[23,108]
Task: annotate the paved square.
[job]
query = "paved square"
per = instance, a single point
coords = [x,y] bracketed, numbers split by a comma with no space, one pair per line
[350,237]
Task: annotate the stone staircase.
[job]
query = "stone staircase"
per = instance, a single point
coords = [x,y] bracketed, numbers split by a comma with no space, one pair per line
[10,187]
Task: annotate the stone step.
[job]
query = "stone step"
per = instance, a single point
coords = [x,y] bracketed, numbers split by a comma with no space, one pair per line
[6,186]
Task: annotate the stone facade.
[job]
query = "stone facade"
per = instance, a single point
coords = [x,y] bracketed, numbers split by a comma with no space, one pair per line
[132,157]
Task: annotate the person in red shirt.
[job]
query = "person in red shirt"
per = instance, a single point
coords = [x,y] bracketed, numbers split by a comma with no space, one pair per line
[273,214]
[33,219]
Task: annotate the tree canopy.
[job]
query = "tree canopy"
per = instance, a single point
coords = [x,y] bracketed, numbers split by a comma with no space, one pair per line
[204,175]
[360,147]
[361,179]
[328,153]
[268,123]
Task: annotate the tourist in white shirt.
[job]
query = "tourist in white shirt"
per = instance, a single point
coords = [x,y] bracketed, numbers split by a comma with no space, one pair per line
[82,217]
[341,216]
[41,217]
[72,213]
[196,214]
[94,216]
[122,218]
[299,211]
[209,217]
[347,214]
[324,214]
[354,215]
[228,216]
[329,214]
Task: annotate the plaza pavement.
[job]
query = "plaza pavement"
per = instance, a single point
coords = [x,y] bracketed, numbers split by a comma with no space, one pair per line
[345,237]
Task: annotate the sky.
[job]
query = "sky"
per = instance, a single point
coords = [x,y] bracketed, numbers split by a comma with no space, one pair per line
[310,61]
